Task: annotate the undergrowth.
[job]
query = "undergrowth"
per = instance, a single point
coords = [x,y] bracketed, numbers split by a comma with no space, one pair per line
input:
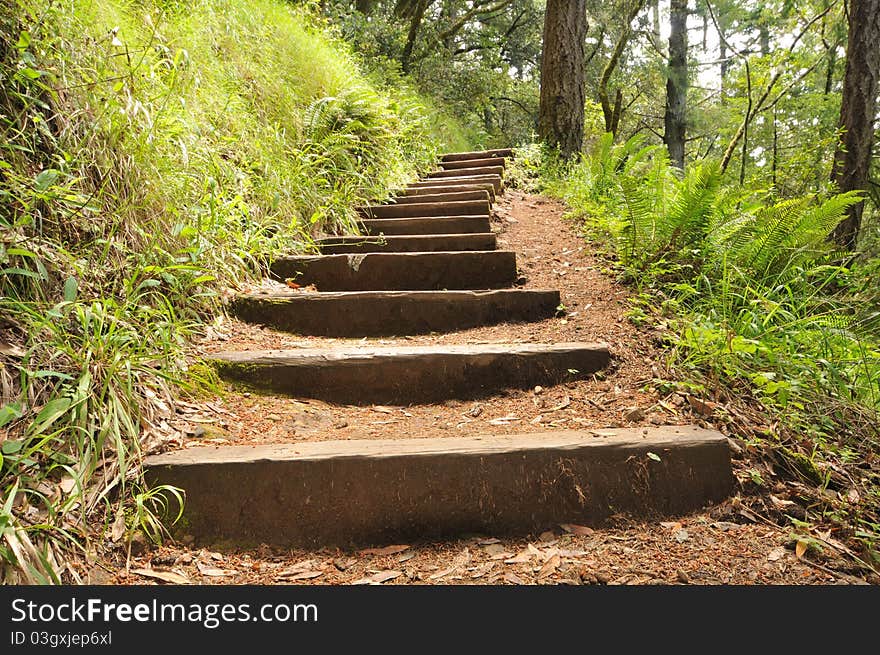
[760,308]
[154,155]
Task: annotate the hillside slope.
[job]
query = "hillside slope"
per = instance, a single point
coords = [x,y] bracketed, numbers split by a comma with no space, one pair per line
[153,155]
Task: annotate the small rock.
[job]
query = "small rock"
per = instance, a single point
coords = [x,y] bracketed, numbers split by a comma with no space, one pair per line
[681,536]
[195,431]
[163,560]
[273,417]
[602,577]
[682,577]
[139,544]
[539,390]
[634,414]
[340,424]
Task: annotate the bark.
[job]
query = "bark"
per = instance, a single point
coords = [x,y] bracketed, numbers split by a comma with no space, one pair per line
[415,22]
[725,66]
[675,116]
[561,115]
[858,111]
[610,112]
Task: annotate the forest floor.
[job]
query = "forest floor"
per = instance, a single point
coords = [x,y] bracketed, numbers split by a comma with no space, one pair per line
[744,540]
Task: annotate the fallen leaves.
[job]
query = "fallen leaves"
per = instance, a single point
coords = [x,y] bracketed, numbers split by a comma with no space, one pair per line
[164,576]
[305,570]
[549,567]
[379,577]
[579,530]
[304,575]
[776,554]
[387,550]
[213,572]
[442,574]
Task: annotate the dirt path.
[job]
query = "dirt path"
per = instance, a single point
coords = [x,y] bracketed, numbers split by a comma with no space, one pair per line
[550,256]
[727,544]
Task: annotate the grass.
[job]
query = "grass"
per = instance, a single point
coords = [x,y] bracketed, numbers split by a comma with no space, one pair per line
[763,317]
[155,155]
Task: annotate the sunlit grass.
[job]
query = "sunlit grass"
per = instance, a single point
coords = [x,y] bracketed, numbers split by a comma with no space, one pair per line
[154,155]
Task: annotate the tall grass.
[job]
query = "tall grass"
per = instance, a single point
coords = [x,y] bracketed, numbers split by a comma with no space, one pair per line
[155,154]
[760,304]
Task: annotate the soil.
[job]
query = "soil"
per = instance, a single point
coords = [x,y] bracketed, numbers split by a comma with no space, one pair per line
[733,543]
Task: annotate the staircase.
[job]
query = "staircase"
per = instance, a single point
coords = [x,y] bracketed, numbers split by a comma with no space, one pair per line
[426,262]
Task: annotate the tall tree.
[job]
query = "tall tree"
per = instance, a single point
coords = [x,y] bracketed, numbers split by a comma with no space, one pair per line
[858,112]
[611,112]
[675,116]
[561,114]
[415,11]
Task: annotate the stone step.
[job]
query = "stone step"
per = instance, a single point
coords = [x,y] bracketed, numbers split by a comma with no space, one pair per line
[407,243]
[469,172]
[494,180]
[423,226]
[394,313]
[417,243]
[419,189]
[456,196]
[481,154]
[419,374]
[473,163]
[409,271]
[381,491]
[425,209]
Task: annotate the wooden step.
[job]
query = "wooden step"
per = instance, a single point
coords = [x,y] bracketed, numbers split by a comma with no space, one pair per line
[421,226]
[398,375]
[473,163]
[425,209]
[420,198]
[381,271]
[382,491]
[494,180]
[453,187]
[416,243]
[480,154]
[469,172]
[389,313]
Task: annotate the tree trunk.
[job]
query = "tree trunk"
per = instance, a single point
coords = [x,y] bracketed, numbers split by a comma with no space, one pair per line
[674,120]
[725,66]
[611,112]
[858,111]
[415,22]
[561,116]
